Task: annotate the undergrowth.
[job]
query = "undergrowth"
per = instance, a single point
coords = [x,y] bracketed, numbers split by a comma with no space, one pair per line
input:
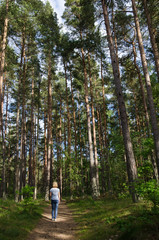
[106,219]
[18,219]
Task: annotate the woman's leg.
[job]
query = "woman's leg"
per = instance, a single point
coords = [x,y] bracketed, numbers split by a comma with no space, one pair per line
[53,208]
[56,208]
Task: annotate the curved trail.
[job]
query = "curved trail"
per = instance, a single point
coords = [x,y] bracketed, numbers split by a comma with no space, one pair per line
[62,229]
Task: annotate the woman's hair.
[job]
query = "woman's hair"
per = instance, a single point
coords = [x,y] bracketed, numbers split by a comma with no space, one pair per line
[55,184]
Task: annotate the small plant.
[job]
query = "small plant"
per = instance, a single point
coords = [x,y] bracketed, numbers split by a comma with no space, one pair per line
[124,193]
[16,220]
[149,191]
[28,192]
[28,202]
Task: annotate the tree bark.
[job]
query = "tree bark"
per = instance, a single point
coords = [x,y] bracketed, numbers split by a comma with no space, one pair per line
[155,129]
[68,134]
[22,151]
[60,148]
[92,162]
[36,144]
[2,64]
[45,147]
[131,164]
[35,158]
[49,128]
[94,127]
[152,36]
[17,161]
[80,146]
[142,90]
[31,136]
[103,182]
[74,119]
[105,149]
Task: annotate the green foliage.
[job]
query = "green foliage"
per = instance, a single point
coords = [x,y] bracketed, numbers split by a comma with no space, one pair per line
[145,171]
[95,218]
[149,191]
[147,146]
[114,219]
[28,201]
[142,225]
[124,191]
[28,192]
[15,221]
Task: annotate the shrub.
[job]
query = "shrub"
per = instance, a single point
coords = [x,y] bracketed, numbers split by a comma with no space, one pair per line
[28,202]
[149,191]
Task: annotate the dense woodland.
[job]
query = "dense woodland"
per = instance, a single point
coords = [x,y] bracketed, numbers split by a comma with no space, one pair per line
[79,102]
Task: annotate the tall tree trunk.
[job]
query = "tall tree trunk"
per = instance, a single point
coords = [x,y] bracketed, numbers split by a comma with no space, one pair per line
[10,162]
[116,50]
[104,106]
[3,146]
[17,169]
[138,127]
[49,128]
[131,164]
[80,146]
[69,133]
[33,129]
[5,130]
[155,129]
[101,141]
[45,147]
[22,154]
[2,64]
[35,159]
[94,127]
[103,182]
[141,87]
[75,130]
[92,162]
[31,135]
[17,161]
[152,36]
[155,170]
[57,145]
[52,159]
[36,145]
[65,149]
[74,119]
[60,150]
[105,150]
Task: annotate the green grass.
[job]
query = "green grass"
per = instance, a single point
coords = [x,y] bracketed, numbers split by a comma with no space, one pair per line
[106,219]
[18,219]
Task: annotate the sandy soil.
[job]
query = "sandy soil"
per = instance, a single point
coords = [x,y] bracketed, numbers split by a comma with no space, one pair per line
[62,229]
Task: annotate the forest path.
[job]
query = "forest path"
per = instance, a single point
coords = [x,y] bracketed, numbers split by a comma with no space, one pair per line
[61,229]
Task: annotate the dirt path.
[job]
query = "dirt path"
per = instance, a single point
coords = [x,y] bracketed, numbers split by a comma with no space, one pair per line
[62,229]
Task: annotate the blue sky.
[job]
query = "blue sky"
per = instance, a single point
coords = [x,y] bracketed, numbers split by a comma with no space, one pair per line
[58,6]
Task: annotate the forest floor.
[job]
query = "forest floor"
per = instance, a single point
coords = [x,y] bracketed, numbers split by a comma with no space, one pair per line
[62,229]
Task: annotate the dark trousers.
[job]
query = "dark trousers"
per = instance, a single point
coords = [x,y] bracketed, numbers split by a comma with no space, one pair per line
[55,204]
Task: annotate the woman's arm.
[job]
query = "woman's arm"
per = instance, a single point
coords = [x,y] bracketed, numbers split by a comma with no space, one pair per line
[59,196]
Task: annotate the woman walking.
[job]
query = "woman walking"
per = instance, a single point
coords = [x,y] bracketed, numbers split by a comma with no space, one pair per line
[55,200]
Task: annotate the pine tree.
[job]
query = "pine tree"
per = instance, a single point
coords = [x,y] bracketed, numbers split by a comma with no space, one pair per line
[131,164]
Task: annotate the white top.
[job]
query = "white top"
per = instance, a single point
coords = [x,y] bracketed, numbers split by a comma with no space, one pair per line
[54,193]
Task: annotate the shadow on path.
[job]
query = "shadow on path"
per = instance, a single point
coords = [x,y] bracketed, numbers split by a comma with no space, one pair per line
[62,229]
